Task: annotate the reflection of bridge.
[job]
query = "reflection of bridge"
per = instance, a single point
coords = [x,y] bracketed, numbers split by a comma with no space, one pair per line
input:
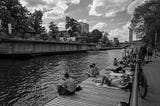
[128,44]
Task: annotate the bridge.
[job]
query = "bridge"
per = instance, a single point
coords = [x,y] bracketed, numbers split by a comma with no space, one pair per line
[128,44]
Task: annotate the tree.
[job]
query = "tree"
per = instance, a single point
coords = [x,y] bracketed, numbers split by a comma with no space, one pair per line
[36,21]
[53,30]
[72,26]
[146,20]
[105,39]
[11,11]
[96,35]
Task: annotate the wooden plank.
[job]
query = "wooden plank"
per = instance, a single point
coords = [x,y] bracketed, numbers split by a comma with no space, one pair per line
[92,95]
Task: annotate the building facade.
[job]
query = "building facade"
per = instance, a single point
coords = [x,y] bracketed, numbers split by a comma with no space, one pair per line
[130,34]
[116,41]
[84,27]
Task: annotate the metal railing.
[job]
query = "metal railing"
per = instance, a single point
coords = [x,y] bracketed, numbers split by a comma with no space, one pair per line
[134,98]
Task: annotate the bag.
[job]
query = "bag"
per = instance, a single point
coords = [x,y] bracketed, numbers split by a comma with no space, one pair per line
[78,88]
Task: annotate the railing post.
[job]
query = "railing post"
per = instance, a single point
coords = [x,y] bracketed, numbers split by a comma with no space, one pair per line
[134,99]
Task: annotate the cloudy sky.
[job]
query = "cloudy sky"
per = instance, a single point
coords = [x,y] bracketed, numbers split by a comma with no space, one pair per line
[112,16]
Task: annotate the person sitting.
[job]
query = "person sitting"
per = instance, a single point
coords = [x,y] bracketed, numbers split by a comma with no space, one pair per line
[115,62]
[68,87]
[93,71]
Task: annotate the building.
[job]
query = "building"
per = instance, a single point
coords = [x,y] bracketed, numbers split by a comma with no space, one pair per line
[130,35]
[116,42]
[84,27]
[131,28]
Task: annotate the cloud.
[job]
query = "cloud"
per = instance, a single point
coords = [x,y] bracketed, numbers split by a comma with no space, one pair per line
[108,8]
[133,5]
[52,8]
[61,26]
[99,26]
[121,33]
[111,14]
[93,6]
[46,27]
[82,20]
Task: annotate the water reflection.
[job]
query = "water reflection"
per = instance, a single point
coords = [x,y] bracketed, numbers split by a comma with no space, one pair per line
[32,82]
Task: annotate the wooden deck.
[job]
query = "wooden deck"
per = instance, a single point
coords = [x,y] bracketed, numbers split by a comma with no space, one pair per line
[92,95]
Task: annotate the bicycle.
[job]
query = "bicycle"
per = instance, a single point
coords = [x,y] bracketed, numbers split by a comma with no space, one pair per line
[142,81]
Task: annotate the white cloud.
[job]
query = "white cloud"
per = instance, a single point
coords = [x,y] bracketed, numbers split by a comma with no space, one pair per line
[121,33]
[108,8]
[111,14]
[96,3]
[99,26]
[46,27]
[61,25]
[133,5]
[82,20]
[52,8]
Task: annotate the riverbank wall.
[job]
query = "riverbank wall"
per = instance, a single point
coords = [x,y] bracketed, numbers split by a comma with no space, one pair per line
[14,48]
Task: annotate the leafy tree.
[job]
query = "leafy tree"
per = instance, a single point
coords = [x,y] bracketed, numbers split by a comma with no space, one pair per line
[96,35]
[72,26]
[146,20]
[11,11]
[36,21]
[88,38]
[53,30]
[105,39]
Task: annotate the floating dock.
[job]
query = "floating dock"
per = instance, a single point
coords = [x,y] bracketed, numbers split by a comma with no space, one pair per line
[92,95]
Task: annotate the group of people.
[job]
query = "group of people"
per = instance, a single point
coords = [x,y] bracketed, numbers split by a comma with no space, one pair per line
[69,86]
[143,51]
[94,72]
[146,51]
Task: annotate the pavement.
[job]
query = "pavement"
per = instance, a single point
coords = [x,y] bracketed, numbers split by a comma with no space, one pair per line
[152,73]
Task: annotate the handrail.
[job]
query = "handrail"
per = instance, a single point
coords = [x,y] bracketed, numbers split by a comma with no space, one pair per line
[134,99]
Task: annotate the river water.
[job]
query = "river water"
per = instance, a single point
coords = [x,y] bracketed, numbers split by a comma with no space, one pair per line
[33,82]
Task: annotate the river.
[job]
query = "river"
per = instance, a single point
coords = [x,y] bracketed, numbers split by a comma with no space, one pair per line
[33,82]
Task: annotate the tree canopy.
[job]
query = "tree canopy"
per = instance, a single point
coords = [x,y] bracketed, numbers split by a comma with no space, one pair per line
[105,39]
[146,20]
[36,21]
[94,36]
[72,26]
[11,11]
[53,29]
